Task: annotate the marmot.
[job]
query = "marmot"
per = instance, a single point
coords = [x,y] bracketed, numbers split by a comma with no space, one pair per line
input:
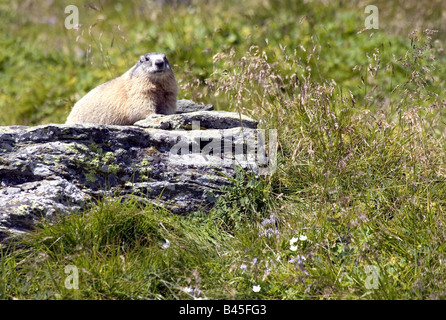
[147,88]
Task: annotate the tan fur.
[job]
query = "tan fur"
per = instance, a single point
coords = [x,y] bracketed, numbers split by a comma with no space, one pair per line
[127,99]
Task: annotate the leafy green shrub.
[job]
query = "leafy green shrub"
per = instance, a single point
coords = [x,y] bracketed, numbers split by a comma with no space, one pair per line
[248,200]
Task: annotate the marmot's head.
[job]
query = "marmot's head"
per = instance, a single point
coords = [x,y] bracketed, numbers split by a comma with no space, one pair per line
[154,65]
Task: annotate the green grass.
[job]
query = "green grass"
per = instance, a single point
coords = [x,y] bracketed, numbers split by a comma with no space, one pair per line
[361,152]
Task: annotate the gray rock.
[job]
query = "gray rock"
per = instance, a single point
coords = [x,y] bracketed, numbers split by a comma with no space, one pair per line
[201,120]
[55,169]
[185,106]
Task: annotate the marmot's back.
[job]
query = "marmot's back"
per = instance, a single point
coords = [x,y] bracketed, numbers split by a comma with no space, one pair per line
[147,88]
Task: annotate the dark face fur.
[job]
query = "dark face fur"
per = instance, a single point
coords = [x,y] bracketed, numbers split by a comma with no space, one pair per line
[152,64]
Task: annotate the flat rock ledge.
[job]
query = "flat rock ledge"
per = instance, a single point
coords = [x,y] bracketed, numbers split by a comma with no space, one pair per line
[177,161]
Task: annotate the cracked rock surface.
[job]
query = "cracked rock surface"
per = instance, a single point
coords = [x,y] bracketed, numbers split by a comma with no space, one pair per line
[178,161]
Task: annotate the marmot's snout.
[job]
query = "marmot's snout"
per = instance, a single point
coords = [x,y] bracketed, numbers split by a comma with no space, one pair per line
[154,63]
[159,63]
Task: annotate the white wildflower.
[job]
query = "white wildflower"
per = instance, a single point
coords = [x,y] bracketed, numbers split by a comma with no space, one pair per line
[166,245]
[188,290]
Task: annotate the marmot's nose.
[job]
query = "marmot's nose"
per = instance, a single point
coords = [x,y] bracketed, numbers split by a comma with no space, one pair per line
[159,64]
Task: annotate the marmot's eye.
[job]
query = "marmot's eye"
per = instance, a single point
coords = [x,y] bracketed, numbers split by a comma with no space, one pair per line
[144,59]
